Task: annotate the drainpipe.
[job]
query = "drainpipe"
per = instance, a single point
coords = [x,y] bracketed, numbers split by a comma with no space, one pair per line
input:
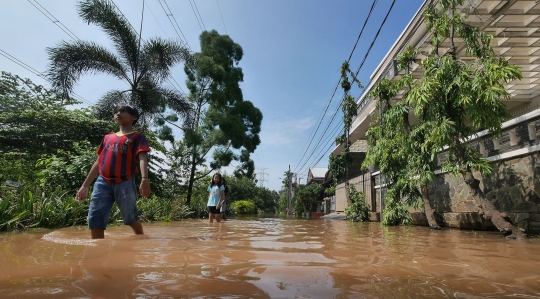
[380,192]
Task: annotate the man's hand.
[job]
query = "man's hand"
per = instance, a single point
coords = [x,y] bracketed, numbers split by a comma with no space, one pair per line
[82,194]
[144,188]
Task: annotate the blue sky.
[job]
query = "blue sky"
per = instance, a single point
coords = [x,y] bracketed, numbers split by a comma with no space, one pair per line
[293,50]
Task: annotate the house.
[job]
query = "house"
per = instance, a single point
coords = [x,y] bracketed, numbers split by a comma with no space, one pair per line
[515,189]
[316,175]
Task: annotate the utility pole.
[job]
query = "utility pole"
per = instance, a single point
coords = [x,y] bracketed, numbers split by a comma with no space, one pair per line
[262,180]
[289,194]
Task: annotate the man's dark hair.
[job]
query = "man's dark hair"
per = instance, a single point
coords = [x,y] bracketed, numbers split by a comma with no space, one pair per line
[126,108]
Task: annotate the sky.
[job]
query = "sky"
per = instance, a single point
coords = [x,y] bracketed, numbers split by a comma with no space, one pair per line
[293,50]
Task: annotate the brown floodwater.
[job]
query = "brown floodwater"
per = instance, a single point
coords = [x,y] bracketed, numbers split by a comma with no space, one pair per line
[268,258]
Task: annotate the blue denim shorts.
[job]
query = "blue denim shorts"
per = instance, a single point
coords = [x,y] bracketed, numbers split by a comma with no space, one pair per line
[103,197]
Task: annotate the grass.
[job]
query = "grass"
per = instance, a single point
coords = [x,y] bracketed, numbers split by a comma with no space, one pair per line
[32,208]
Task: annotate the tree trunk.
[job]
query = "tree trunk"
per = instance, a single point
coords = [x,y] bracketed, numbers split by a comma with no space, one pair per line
[191,180]
[430,213]
[489,212]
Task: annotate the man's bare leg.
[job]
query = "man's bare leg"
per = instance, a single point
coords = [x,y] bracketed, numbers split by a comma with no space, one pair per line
[97,233]
[137,228]
[210,217]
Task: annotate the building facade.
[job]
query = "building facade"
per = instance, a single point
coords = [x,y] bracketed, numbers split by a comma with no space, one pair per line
[514,187]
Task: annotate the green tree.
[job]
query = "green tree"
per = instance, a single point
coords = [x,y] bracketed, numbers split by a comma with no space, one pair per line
[339,165]
[458,98]
[222,120]
[34,124]
[396,147]
[33,120]
[305,198]
[143,66]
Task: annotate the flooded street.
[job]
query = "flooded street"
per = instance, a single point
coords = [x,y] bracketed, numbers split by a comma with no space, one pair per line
[268,258]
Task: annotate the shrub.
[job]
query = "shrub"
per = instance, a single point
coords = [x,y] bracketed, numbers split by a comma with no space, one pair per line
[395,212]
[244,207]
[359,210]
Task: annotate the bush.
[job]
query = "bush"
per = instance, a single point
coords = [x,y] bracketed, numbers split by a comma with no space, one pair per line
[306,197]
[395,212]
[36,208]
[32,207]
[359,210]
[157,209]
[244,207]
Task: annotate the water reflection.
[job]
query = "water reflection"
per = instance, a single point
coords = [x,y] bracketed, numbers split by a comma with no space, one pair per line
[268,258]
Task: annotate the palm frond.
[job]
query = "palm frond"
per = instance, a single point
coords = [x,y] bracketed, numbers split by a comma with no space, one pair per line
[68,61]
[158,56]
[116,26]
[105,106]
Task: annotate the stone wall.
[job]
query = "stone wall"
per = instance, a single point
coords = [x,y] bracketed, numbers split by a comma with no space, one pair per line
[513,187]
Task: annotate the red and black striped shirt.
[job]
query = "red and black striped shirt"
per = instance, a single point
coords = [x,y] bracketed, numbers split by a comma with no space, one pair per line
[118,155]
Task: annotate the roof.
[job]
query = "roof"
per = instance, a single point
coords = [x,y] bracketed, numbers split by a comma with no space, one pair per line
[318,172]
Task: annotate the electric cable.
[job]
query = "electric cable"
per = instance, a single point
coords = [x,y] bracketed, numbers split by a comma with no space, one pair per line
[54,20]
[337,84]
[197,17]
[222,20]
[37,73]
[359,68]
[169,15]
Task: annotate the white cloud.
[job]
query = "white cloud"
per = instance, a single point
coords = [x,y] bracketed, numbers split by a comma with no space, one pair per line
[285,132]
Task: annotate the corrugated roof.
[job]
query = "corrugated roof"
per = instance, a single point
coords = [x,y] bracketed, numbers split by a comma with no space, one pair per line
[318,172]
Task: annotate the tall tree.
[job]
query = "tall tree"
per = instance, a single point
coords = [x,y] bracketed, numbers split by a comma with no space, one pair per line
[142,65]
[339,165]
[222,120]
[458,98]
[397,148]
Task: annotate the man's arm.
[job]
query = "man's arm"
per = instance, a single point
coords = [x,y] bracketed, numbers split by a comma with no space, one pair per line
[92,175]
[144,188]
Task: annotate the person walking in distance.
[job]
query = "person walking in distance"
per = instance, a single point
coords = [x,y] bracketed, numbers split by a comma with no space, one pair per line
[119,155]
[215,198]
[223,206]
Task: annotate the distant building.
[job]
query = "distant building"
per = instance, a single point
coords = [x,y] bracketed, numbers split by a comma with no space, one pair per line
[316,175]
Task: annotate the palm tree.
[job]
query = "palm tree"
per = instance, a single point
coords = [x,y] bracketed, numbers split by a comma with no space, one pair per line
[143,66]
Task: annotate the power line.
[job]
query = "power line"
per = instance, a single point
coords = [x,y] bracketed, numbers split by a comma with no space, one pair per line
[222,17]
[178,87]
[152,12]
[365,57]
[318,125]
[376,36]
[337,84]
[335,130]
[259,159]
[199,15]
[37,73]
[54,20]
[169,15]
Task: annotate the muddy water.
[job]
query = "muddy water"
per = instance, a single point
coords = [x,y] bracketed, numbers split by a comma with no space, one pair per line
[268,258]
